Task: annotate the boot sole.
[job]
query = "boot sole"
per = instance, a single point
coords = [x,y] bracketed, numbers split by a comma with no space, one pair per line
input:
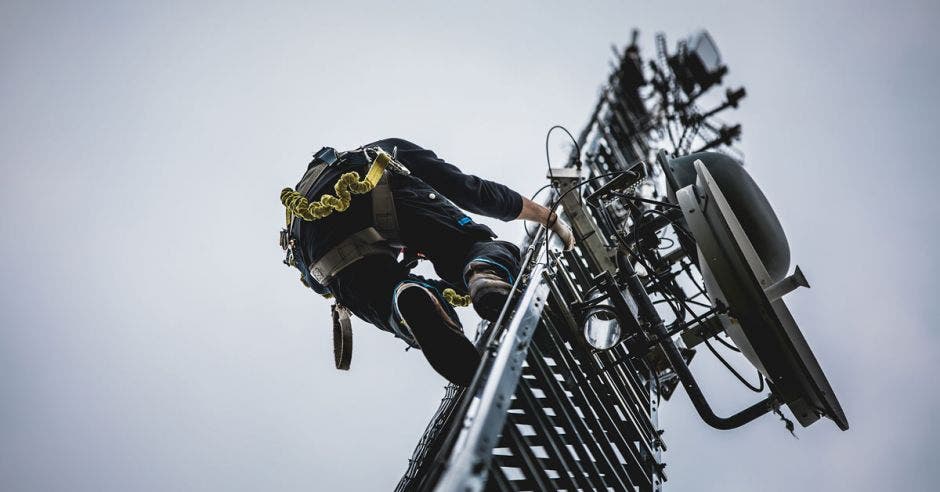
[450,353]
[489,304]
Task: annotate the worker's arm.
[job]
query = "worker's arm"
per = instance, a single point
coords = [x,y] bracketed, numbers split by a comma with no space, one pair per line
[534,212]
[474,194]
[469,192]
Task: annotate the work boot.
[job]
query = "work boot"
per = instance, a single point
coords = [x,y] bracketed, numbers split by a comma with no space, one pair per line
[488,289]
[442,341]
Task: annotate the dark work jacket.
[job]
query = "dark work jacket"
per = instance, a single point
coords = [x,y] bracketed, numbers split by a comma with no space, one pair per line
[466,191]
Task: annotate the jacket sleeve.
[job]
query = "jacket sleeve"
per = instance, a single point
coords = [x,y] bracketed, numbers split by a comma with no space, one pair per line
[469,192]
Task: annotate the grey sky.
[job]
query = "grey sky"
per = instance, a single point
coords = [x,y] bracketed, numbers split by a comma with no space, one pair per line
[152,341]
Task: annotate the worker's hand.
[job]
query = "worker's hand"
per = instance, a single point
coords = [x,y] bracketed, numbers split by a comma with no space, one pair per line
[561,229]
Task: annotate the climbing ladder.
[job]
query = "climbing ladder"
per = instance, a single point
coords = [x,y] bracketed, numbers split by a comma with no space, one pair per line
[544,413]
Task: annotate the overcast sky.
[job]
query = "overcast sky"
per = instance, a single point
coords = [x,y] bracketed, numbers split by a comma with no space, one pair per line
[151,340]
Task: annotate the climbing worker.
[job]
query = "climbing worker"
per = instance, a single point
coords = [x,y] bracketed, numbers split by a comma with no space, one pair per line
[346,232]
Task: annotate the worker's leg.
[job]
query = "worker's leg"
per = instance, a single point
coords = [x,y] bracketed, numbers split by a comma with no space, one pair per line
[380,291]
[366,287]
[434,227]
[420,309]
[489,272]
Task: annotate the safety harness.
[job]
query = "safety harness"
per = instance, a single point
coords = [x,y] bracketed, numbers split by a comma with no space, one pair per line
[382,238]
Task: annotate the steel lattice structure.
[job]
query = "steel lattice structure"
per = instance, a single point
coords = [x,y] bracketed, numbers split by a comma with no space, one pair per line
[546,411]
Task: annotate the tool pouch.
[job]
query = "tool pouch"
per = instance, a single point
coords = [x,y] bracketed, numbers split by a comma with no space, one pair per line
[342,337]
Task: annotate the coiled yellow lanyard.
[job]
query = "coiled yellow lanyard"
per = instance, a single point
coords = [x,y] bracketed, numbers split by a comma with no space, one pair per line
[348,184]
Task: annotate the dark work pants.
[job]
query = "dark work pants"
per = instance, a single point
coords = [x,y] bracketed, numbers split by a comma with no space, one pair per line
[432,226]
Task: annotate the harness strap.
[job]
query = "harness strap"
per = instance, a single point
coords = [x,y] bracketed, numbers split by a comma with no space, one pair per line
[366,242]
[310,177]
[385,219]
[342,338]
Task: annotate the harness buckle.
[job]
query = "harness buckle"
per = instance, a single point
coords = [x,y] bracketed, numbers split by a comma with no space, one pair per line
[326,155]
[289,258]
